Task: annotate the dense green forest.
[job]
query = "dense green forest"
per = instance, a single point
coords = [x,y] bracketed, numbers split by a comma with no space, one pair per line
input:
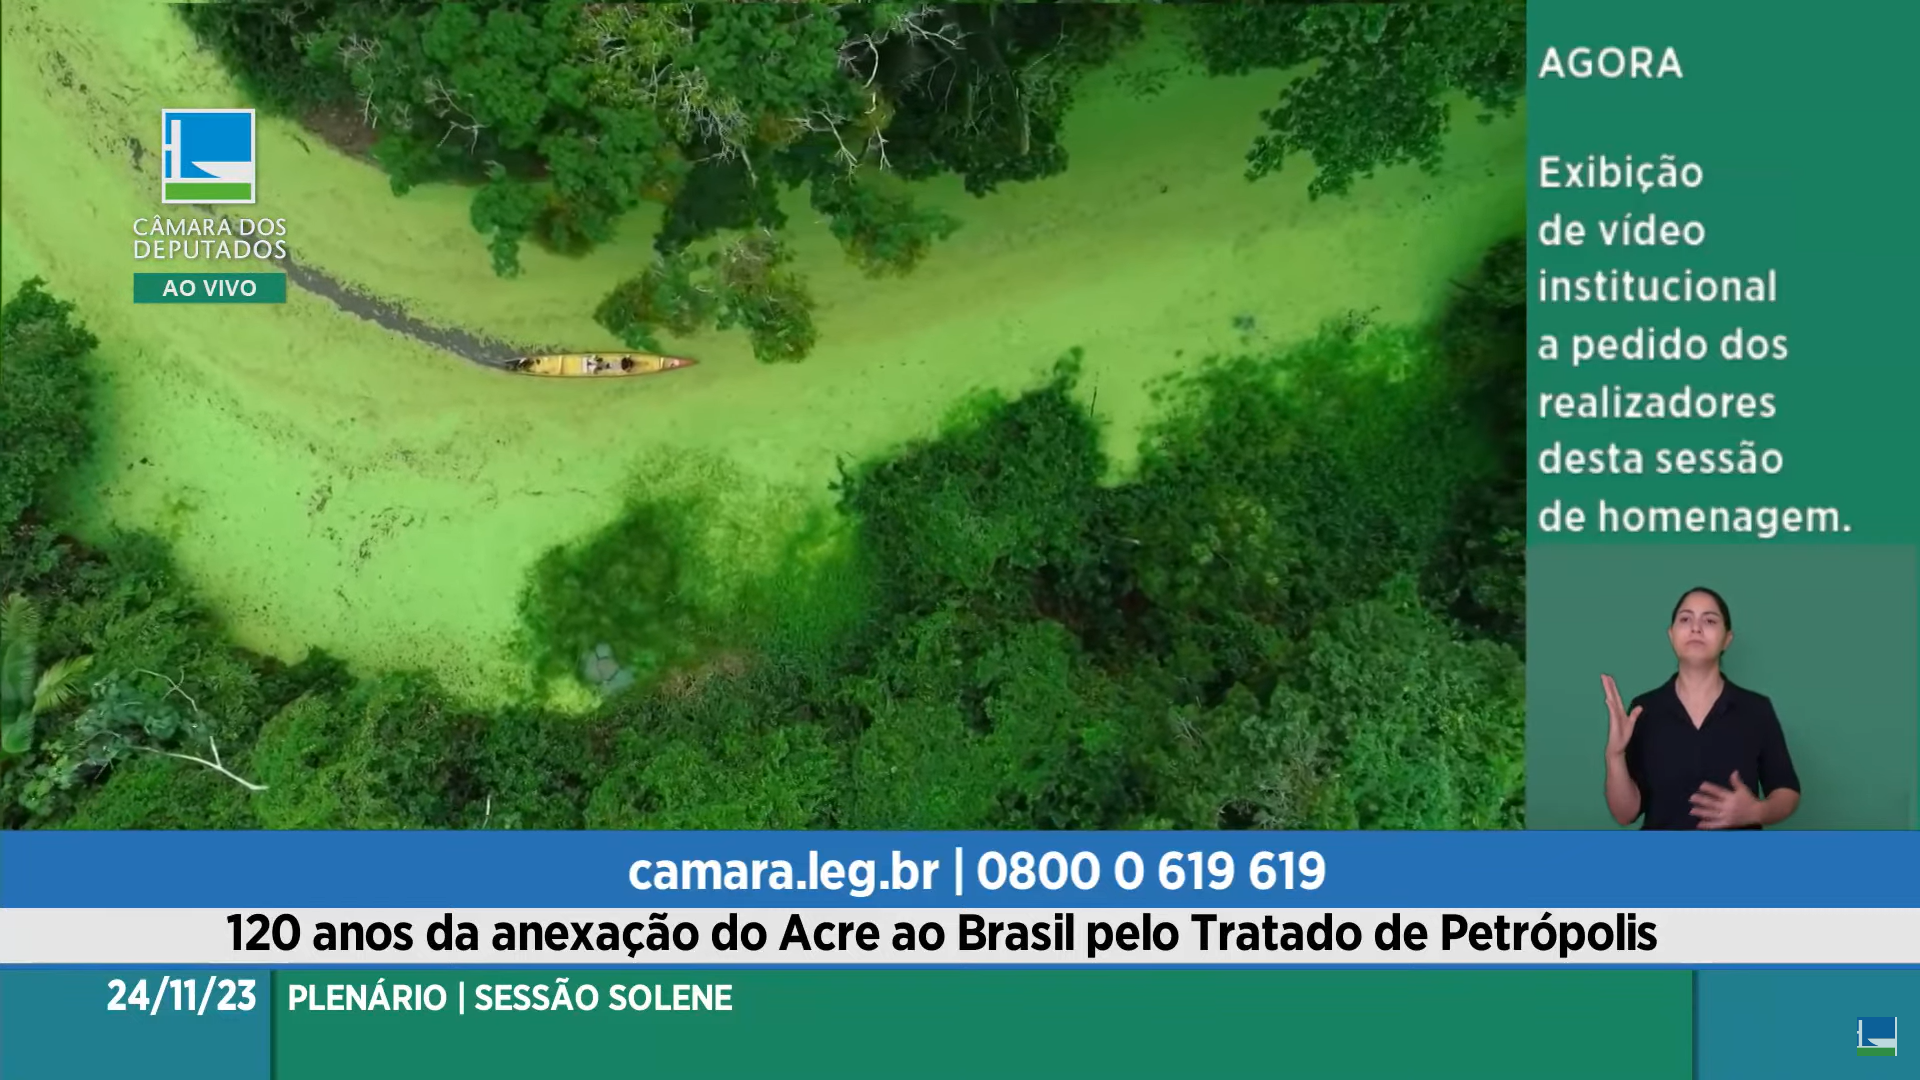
[566,115]
[1302,609]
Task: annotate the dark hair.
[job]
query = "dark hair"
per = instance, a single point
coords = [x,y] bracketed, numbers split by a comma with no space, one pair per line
[1726,615]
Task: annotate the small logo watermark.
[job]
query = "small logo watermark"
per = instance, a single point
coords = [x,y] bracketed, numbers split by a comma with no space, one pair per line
[206,156]
[1879,1036]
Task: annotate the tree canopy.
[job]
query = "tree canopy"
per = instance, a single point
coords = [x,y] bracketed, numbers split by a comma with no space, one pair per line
[44,416]
[1301,610]
[567,115]
[1373,97]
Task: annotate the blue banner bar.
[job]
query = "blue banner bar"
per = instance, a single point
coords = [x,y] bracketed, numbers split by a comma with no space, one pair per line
[880,869]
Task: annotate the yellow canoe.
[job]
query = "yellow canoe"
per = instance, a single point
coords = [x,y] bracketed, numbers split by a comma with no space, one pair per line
[597,364]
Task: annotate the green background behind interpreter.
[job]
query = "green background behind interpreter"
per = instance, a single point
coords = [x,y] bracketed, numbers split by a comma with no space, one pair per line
[1825,630]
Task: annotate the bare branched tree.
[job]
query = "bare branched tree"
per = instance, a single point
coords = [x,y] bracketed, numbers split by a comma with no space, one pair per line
[925,24]
[369,112]
[356,51]
[213,747]
[445,103]
[638,46]
[872,142]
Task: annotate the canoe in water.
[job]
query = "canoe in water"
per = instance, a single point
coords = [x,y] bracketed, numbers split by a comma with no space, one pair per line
[596,365]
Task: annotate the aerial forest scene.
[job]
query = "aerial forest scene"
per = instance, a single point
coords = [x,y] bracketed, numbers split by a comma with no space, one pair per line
[1050,416]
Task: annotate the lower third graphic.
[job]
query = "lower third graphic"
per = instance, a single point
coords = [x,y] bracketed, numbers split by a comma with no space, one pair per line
[1878,1036]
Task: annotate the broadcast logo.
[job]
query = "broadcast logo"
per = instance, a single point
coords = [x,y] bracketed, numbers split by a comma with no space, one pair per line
[1876,1036]
[206,156]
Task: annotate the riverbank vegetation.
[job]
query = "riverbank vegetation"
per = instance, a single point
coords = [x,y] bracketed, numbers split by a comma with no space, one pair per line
[567,116]
[1301,609]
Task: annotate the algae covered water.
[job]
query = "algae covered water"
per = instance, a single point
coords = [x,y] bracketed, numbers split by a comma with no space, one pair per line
[327,481]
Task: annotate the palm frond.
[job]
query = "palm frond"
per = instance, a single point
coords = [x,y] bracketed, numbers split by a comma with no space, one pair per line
[60,682]
[19,631]
[19,620]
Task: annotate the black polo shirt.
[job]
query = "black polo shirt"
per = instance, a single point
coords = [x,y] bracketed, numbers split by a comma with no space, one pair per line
[1669,758]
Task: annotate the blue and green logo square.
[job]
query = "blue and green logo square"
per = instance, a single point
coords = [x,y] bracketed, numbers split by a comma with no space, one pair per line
[206,156]
[1879,1036]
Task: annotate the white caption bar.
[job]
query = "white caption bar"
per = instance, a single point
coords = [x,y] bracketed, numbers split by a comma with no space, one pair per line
[630,936]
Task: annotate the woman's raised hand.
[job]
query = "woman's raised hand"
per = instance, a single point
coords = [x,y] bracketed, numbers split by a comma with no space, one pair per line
[1619,721]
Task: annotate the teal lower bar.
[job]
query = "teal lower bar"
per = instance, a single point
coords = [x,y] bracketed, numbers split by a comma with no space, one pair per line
[191,1024]
[1794,1023]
